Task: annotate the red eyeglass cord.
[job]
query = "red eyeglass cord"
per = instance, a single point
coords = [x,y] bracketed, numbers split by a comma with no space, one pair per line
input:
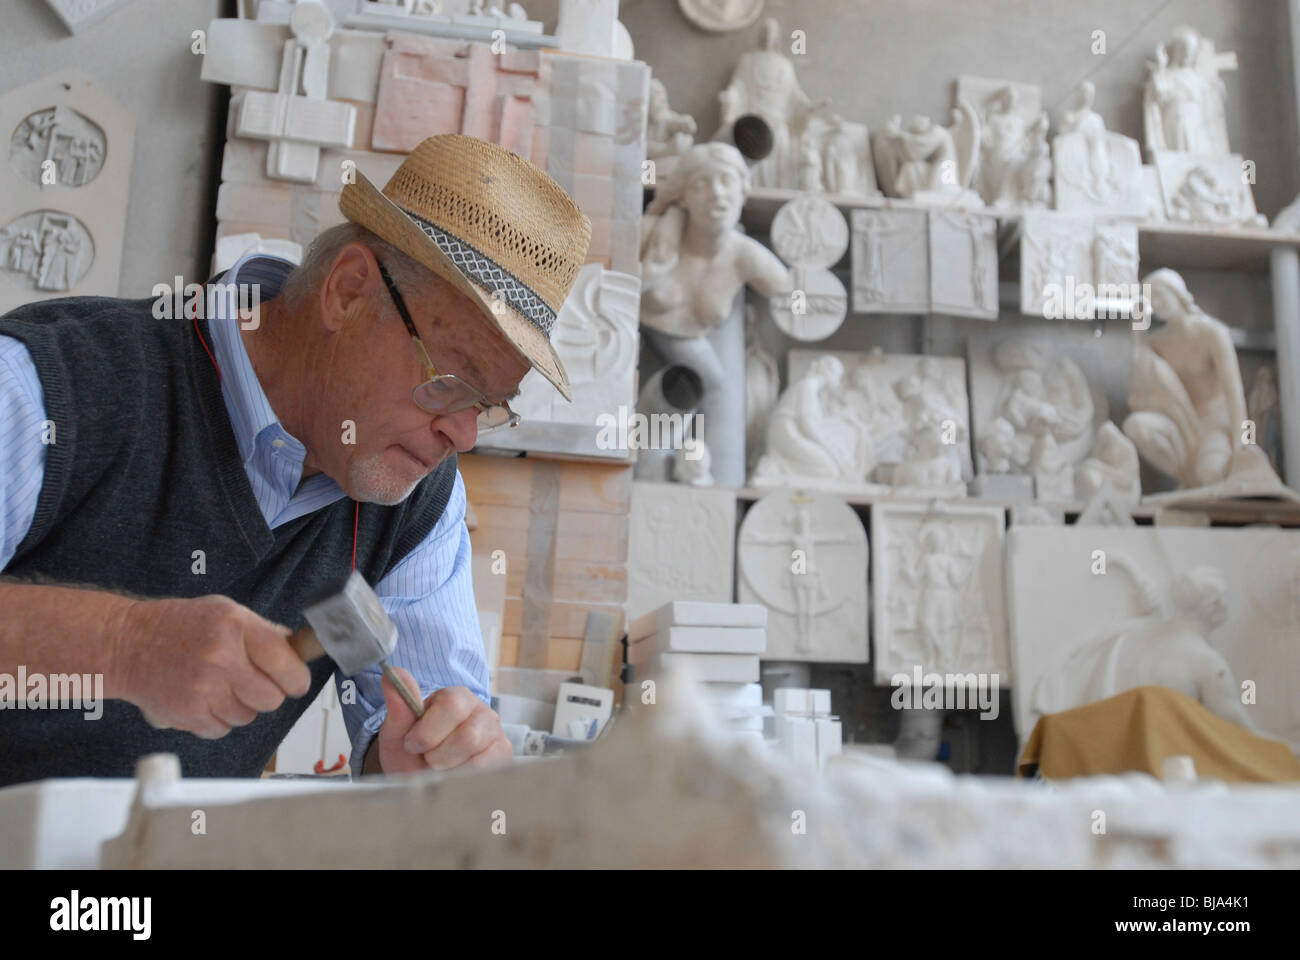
[356,514]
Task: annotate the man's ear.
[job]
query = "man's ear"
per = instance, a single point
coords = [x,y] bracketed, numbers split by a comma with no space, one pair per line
[352,276]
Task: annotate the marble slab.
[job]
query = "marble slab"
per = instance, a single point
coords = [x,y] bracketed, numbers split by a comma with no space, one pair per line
[1077,267]
[963,264]
[682,545]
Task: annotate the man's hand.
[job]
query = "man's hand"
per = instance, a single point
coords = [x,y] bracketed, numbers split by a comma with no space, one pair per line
[457,729]
[204,665]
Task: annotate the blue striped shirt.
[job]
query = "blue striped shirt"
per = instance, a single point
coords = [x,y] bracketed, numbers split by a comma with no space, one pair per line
[429,593]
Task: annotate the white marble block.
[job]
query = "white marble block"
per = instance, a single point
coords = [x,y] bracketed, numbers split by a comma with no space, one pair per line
[1213,613]
[1047,382]
[937,591]
[63,207]
[891,261]
[77,15]
[706,667]
[681,547]
[803,555]
[1077,267]
[964,264]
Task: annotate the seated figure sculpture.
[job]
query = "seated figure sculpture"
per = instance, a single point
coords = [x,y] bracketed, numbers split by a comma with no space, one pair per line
[1189,407]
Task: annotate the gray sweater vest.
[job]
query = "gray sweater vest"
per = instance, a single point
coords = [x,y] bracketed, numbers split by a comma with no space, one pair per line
[145,470]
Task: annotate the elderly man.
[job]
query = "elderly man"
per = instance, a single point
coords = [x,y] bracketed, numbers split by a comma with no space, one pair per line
[173,492]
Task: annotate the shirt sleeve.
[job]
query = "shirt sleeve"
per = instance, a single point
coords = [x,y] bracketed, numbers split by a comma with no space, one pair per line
[430,596]
[22,445]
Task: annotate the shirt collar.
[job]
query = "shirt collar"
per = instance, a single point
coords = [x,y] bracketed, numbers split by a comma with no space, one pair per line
[262,278]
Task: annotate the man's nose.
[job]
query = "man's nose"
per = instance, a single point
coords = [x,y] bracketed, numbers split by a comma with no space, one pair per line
[460,428]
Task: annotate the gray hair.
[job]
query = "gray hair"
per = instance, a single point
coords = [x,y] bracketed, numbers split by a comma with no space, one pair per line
[305,281]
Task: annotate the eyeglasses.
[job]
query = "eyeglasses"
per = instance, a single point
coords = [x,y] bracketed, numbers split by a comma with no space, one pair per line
[445,393]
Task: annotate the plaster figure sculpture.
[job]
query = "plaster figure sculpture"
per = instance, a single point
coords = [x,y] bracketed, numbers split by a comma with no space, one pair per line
[1183,100]
[1188,402]
[870,424]
[1012,150]
[891,261]
[1204,189]
[762,389]
[58,146]
[693,265]
[803,555]
[1113,465]
[764,85]
[929,163]
[693,466]
[1262,405]
[1077,267]
[937,591]
[809,231]
[48,249]
[693,260]
[669,134]
[1165,645]
[937,425]
[815,438]
[847,167]
[1026,393]
[721,16]
[1095,170]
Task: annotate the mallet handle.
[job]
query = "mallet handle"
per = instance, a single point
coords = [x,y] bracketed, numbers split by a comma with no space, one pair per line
[306,645]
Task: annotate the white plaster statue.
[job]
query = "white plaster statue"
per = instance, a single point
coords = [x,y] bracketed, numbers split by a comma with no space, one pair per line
[1186,394]
[1015,162]
[1262,405]
[928,162]
[694,263]
[812,435]
[1209,195]
[1183,98]
[936,431]
[669,134]
[1038,393]
[1166,646]
[842,165]
[693,259]
[764,84]
[1095,169]
[1112,465]
[693,466]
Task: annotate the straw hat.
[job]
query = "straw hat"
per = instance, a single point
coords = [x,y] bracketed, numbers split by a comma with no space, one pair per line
[489,222]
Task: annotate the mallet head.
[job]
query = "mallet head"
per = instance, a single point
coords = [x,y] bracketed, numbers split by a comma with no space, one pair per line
[352,626]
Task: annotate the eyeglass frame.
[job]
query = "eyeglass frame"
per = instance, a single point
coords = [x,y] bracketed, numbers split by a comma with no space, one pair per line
[431,372]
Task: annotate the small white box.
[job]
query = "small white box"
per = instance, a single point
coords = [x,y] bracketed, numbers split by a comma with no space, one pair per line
[583,703]
[830,736]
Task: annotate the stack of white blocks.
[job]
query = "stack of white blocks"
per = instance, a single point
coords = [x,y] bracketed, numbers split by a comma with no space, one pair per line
[804,727]
[719,643]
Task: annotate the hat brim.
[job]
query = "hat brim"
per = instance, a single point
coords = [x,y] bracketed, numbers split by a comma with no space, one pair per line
[362,203]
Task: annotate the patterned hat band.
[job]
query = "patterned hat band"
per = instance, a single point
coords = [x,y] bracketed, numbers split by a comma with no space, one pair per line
[490,275]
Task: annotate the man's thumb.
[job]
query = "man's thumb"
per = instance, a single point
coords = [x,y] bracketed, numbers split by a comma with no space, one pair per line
[400,717]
